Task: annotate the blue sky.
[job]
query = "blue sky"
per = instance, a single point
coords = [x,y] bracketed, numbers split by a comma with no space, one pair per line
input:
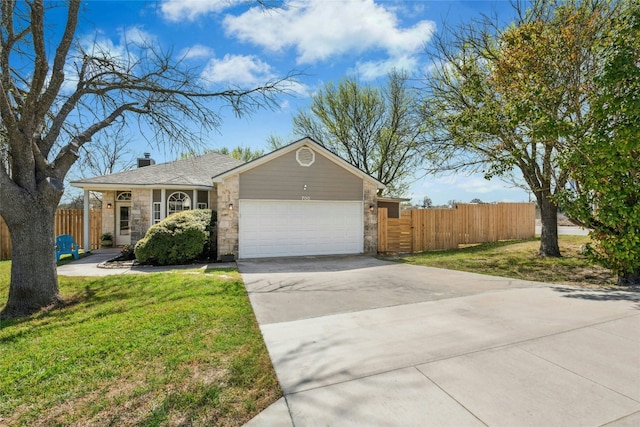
[232,42]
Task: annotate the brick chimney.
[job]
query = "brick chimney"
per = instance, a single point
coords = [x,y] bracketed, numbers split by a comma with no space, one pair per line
[146,160]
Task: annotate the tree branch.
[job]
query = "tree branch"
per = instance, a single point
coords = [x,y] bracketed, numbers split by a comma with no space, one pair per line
[69,154]
[57,72]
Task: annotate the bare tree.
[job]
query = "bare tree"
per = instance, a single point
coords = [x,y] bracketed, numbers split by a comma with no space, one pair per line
[376,130]
[108,152]
[52,103]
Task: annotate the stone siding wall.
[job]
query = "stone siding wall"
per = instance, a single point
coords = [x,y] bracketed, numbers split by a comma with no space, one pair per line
[109,215]
[228,193]
[370,217]
[140,213]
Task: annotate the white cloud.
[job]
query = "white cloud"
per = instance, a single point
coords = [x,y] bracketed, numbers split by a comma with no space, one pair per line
[100,45]
[237,70]
[299,89]
[248,71]
[120,51]
[318,29]
[478,185]
[179,10]
[197,51]
[136,35]
[371,70]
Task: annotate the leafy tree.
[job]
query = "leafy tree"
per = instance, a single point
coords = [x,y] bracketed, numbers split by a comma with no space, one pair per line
[605,191]
[427,202]
[55,95]
[246,154]
[476,200]
[376,130]
[501,99]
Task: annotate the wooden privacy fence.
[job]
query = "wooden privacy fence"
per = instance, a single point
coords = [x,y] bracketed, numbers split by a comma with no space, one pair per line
[419,230]
[68,221]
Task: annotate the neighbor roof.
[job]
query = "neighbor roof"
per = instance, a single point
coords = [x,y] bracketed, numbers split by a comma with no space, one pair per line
[190,172]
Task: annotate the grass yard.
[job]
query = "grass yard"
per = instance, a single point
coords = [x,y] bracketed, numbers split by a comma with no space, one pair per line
[179,348]
[517,259]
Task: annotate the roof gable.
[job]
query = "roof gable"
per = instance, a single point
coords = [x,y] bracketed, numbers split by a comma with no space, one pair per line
[294,146]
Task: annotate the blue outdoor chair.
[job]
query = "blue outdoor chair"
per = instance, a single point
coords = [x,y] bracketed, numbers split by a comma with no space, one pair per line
[66,245]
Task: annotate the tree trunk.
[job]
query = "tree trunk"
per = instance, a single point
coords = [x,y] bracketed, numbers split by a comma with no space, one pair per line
[549,236]
[629,279]
[34,277]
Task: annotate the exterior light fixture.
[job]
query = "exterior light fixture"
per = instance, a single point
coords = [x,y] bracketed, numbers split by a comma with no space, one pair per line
[230,206]
[371,208]
[109,205]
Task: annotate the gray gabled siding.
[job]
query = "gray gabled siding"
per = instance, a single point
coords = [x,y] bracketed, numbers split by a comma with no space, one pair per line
[284,179]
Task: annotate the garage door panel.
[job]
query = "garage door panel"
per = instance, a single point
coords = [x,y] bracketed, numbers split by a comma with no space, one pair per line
[290,228]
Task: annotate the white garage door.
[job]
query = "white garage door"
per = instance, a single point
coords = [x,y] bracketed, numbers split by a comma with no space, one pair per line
[291,228]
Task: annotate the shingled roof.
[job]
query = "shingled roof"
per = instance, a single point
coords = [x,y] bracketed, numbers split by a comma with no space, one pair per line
[190,172]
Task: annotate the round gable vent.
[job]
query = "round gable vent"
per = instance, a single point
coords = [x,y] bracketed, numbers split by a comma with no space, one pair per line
[305,156]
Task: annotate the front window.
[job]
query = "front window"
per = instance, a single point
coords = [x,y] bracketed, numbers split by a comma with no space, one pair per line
[178,202]
[156,212]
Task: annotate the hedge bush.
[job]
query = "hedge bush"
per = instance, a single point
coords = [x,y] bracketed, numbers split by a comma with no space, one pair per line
[178,239]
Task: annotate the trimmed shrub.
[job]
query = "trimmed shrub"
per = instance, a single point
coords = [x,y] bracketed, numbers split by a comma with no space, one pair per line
[177,239]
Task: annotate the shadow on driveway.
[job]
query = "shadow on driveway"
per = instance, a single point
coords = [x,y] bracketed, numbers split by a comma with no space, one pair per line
[632,295]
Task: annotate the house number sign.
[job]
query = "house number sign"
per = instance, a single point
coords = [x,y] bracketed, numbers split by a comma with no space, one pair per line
[306,197]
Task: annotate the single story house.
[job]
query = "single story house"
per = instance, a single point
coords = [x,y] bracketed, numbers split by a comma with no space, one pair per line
[298,200]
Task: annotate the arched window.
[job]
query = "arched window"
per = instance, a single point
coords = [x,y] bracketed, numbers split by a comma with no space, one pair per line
[124,196]
[178,202]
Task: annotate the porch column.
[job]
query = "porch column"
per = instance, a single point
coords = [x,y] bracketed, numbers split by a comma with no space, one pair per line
[86,245]
[163,204]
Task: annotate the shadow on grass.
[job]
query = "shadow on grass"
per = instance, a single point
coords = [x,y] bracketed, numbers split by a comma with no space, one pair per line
[111,295]
[473,248]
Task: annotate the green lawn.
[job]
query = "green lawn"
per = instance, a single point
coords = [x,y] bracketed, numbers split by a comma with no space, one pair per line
[518,259]
[178,348]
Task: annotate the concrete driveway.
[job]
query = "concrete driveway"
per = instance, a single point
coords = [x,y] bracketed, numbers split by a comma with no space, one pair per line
[360,341]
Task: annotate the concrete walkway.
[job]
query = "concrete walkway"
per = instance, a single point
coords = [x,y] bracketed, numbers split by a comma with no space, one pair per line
[89,265]
[356,341]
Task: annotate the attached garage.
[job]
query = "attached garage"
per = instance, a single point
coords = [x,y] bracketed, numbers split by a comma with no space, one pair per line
[271,228]
[299,200]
